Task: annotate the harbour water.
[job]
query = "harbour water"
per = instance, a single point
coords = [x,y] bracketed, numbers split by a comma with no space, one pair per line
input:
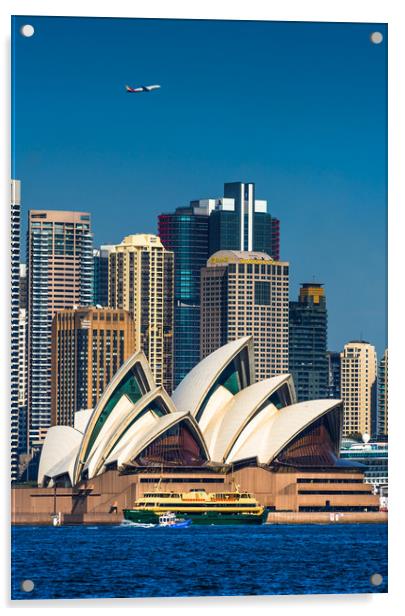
[129,561]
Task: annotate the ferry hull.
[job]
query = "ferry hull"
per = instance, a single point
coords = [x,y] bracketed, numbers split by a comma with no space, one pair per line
[207,518]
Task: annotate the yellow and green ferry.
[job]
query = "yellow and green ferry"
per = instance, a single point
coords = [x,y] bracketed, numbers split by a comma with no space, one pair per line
[200,506]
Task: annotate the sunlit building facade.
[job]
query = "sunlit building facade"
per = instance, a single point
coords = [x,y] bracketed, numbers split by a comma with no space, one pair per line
[22,380]
[60,276]
[383,395]
[141,281]
[246,294]
[358,387]
[15,220]
[89,345]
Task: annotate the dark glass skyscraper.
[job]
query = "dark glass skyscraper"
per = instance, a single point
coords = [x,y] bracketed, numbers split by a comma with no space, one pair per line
[236,221]
[239,221]
[308,362]
[185,232]
[100,275]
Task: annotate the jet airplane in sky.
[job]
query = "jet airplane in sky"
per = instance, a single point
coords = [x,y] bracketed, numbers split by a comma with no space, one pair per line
[141,89]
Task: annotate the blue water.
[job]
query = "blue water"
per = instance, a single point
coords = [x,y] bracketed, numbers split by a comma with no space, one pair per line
[129,561]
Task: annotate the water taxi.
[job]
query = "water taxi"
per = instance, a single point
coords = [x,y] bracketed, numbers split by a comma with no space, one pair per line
[199,506]
[172,521]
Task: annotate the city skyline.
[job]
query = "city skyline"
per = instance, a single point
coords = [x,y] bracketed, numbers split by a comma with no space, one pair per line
[304,121]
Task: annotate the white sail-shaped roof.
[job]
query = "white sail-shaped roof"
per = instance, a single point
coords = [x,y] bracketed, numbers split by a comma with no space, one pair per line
[270,431]
[211,421]
[138,359]
[59,452]
[124,414]
[81,419]
[241,409]
[122,452]
[118,414]
[162,424]
[228,419]
[191,393]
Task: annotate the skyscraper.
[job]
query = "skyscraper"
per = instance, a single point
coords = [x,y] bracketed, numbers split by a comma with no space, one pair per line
[89,345]
[382,426]
[15,221]
[22,381]
[60,273]
[246,293]
[185,232]
[141,280]
[236,221]
[100,275]
[23,286]
[308,343]
[23,363]
[333,375]
[239,221]
[358,387]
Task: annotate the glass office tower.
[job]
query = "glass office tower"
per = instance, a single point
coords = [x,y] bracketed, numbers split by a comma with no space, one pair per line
[241,222]
[100,275]
[185,232]
[236,221]
[308,362]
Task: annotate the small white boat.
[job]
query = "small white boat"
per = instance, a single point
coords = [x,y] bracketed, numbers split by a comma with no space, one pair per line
[169,519]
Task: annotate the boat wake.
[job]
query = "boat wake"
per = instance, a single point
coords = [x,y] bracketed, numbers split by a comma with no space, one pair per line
[136,524]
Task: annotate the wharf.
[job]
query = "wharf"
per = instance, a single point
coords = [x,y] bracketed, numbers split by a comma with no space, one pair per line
[274,517]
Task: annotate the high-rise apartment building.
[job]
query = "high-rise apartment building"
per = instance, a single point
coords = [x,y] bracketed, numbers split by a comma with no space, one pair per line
[22,380]
[141,280]
[15,220]
[333,374]
[358,387]
[185,232]
[308,343]
[60,274]
[23,363]
[100,275]
[382,426]
[246,293]
[23,286]
[89,345]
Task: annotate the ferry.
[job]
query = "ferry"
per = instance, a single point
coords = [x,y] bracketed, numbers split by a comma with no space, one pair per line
[199,506]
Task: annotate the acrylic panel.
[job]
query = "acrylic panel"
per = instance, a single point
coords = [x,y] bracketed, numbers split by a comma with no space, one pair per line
[199,362]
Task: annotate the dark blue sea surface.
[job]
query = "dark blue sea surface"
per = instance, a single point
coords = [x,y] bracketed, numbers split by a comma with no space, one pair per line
[131,561]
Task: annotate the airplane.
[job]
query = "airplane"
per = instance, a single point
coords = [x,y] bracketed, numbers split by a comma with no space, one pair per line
[141,89]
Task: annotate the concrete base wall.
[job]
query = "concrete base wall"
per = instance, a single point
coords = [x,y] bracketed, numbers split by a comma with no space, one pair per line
[323,517]
[102,499]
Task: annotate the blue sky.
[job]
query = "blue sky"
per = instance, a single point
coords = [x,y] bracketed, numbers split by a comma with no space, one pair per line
[298,108]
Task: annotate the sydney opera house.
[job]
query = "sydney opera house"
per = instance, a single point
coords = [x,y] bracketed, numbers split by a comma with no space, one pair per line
[219,426]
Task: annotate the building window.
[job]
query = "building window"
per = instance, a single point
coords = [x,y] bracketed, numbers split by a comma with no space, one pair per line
[262,293]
